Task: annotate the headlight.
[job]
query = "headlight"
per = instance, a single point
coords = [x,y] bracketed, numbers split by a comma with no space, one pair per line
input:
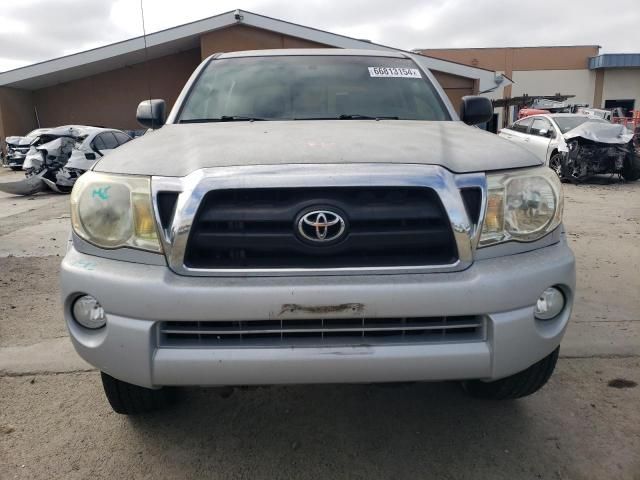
[113,211]
[523,206]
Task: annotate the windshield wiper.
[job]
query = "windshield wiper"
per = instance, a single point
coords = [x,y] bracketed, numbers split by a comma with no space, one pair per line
[353,116]
[357,116]
[241,118]
[224,118]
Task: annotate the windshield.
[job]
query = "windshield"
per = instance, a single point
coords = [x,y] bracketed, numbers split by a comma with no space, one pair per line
[569,123]
[312,87]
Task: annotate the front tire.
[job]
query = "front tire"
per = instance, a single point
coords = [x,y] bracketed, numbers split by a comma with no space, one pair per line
[16,168]
[555,164]
[128,399]
[631,168]
[518,385]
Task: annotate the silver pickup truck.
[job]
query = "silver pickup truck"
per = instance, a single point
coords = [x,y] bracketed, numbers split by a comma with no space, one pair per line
[316,216]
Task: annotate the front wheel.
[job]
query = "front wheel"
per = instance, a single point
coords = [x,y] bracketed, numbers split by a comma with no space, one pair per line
[16,168]
[128,399]
[516,386]
[555,164]
[631,168]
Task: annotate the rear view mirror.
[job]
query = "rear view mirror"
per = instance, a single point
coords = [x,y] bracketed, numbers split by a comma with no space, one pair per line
[476,110]
[151,113]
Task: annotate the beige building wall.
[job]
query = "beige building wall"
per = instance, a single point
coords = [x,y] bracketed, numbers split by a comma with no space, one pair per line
[580,83]
[111,98]
[622,84]
[17,115]
[241,37]
[510,59]
[456,87]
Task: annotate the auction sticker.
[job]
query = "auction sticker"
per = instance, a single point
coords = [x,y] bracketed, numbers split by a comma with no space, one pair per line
[394,72]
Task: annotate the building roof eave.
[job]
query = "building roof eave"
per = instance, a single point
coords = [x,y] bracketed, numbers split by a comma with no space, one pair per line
[615,60]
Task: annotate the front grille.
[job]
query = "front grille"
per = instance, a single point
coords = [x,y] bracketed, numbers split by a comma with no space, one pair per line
[18,149]
[321,332]
[256,228]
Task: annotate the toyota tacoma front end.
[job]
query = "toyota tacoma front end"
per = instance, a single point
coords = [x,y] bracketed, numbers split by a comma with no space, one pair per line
[316,216]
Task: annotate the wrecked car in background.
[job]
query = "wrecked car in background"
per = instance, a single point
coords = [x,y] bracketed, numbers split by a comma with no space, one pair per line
[600,148]
[18,147]
[57,157]
[577,147]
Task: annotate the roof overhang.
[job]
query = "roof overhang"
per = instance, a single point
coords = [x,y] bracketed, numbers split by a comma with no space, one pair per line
[185,37]
[615,60]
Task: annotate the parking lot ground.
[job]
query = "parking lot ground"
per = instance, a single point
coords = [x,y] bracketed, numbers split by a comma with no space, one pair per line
[577,427]
[55,423]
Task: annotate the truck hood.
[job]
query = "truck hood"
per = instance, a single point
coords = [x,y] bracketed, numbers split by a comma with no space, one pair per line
[177,150]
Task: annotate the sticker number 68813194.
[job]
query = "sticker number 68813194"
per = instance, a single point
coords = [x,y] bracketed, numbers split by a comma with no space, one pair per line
[394,72]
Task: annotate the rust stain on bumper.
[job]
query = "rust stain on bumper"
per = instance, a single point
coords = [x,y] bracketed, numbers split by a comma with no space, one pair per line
[292,308]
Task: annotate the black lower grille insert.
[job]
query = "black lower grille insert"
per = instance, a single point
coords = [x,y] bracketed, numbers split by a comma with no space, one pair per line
[321,332]
[256,228]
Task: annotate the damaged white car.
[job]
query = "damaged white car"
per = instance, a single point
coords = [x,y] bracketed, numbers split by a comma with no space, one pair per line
[577,147]
[60,155]
[18,147]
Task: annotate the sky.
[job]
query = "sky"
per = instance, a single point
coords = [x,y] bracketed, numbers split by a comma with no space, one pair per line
[35,30]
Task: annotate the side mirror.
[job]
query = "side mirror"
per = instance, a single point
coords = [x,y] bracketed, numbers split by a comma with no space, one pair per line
[476,110]
[151,113]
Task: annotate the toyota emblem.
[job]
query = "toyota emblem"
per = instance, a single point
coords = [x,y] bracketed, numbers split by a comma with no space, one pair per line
[321,226]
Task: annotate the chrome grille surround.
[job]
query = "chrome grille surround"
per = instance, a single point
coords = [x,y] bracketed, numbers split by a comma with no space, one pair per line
[193,187]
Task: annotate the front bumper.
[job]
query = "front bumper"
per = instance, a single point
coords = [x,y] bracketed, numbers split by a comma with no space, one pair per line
[137,296]
[16,159]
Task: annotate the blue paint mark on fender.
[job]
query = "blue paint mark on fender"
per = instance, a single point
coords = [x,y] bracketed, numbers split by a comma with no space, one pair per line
[86,264]
[102,193]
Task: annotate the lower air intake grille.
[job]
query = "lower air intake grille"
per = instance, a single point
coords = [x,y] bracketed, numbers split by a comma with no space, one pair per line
[320,332]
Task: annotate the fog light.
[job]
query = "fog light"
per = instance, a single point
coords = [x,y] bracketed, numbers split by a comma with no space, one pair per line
[549,305]
[88,312]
